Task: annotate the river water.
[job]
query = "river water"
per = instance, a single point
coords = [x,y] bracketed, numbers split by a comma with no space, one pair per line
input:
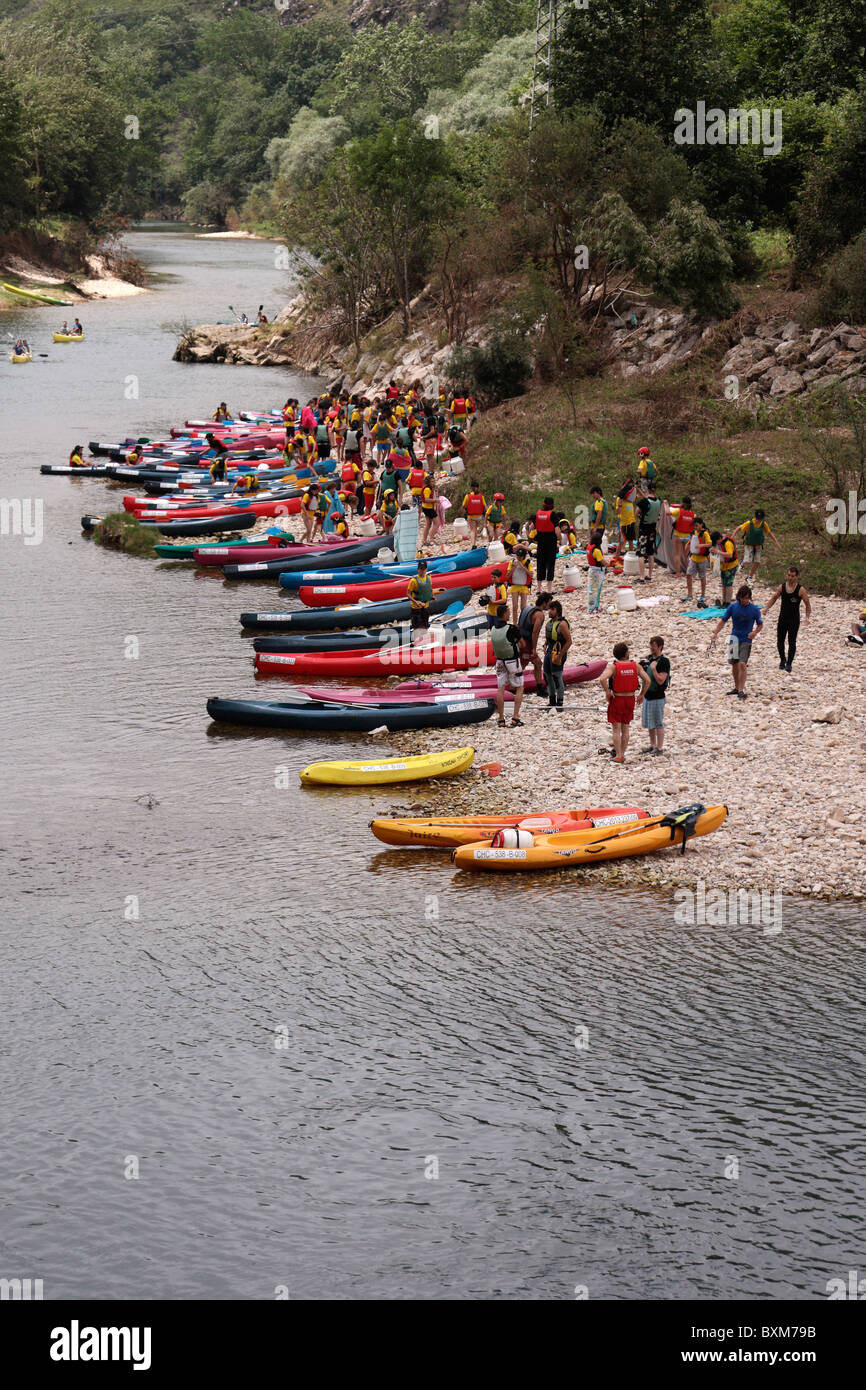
[339,1071]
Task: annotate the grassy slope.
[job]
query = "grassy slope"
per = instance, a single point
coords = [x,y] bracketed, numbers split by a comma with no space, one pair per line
[728,461]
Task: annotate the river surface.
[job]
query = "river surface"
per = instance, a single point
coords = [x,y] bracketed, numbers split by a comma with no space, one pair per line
[338,1071]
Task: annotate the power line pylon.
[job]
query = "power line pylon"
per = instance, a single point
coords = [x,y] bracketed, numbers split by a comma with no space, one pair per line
[546,18]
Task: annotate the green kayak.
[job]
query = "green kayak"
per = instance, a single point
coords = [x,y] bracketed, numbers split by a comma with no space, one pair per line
[40,298]
[183,550]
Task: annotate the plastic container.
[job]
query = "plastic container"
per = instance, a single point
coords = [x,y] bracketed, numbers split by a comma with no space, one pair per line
[461,527]
[625,599]
[630,564]
[495,552]
[385,556]
[367,526]
[570,577]
[605,544]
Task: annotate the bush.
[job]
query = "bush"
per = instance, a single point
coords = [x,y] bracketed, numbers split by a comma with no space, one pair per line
[494,372]
[842,293]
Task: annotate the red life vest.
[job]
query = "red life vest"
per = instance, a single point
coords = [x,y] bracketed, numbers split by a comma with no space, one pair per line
[347,476]
[625,679]
[544,523]
[460,406]
[474,504]
[416,479]
[393,393]
[590,552]
[684,522]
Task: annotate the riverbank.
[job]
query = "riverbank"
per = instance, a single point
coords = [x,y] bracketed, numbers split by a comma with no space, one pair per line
[55,265]
[788,761]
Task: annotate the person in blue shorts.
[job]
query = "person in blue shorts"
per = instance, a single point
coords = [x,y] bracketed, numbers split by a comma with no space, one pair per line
[746,622]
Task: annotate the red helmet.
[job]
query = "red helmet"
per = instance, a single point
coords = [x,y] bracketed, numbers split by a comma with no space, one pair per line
[644,453]
[499,496]
[336,516]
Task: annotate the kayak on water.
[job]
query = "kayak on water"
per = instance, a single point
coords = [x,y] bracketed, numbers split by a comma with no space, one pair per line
[326,594]
[389,661]
[32,294]
[357,615]
[68,337]
[67,470]
[374,773]
[204,526]
[447,832]
[345,718]
[578,848]
[19,358]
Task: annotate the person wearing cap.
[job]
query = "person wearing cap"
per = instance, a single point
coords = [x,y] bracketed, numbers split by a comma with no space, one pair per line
[647,471]
[420,592]
[519,579]
[341,525]
[388,510]
[495,516]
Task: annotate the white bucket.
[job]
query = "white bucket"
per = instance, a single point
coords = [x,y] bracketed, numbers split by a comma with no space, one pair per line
[367,526]
[455,465]
[630,564]
[384,556]
[570,577]
[495,552]
[625,599]
[461,526]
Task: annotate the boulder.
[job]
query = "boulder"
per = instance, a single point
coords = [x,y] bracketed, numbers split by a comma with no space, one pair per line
[854,343]
[791,350]
[786,384]
[758,368]
[830,715]
[822,354]
[791,330]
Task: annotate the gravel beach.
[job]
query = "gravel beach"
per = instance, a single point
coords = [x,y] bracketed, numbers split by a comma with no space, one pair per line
[788,761]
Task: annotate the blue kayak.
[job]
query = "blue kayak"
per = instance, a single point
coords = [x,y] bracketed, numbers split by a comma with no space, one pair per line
[368,639]
[444,564]
[336,718]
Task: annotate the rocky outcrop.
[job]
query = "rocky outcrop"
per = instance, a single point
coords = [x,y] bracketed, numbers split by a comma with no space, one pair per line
[782,359]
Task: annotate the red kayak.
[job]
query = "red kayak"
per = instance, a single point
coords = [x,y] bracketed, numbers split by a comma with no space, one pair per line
[273,506]
[329,595]
[390,661]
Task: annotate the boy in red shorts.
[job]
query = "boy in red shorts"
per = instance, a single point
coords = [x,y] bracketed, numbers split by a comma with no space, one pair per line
[625,684]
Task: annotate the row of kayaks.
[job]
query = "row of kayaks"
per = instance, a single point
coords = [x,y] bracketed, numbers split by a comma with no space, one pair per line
[553,840]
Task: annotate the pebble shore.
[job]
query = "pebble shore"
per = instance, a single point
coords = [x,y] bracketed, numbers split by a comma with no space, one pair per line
[793,784]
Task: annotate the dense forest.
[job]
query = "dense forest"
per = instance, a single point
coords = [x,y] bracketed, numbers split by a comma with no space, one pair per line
[399,153]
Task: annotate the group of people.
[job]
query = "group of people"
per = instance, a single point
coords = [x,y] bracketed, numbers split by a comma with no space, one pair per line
[76,331]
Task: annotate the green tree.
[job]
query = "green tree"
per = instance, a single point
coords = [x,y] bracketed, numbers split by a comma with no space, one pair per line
[637,58]
[17,200]
[832,206]
[404,174]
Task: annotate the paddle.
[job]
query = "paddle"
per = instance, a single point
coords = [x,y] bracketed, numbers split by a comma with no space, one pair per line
[644,825]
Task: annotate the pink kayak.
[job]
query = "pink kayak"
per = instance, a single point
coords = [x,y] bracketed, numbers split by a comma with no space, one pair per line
[481,685]
[485,681]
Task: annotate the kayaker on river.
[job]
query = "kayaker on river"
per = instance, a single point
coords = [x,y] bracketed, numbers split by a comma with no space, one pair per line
[222,413]
[76,458]
[77,330]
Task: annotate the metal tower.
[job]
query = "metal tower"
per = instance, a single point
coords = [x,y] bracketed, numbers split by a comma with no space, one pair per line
[546,16]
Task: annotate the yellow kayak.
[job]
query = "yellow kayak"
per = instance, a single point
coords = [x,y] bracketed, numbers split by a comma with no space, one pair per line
[69,337]
[577,849]
[21,357]
[374,774]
